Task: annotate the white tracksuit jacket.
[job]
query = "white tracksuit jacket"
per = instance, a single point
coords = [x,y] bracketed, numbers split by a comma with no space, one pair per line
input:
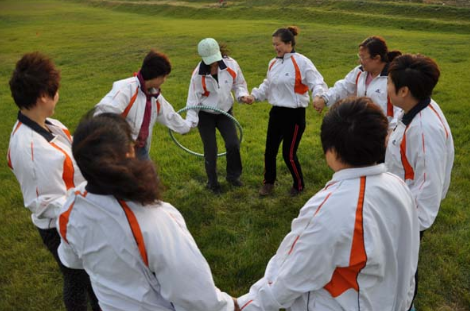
[127,99]
[288,81]
[205,90]
[164,271]
[354,246]
[421,151]
[355,84]
[44,167]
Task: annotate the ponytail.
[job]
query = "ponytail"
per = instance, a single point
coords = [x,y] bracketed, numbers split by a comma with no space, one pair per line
[101,148]
[287,35]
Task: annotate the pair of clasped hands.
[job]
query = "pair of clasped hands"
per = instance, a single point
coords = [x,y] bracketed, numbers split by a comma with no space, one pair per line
[318,102]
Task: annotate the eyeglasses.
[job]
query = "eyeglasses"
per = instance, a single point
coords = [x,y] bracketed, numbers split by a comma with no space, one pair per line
[363,58]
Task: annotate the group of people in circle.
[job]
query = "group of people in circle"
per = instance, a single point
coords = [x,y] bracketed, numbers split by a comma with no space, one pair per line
[96,198]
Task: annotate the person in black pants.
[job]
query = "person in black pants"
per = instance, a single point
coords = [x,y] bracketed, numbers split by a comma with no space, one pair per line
[212,83]
[289,79]
[40,156]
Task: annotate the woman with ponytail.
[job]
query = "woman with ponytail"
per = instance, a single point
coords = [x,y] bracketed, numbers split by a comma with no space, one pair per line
[369,79]
[135,247]
[289,79]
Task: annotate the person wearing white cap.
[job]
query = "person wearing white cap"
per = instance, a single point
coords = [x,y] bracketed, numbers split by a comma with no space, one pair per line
[288,81]
[212,84]
[136,248]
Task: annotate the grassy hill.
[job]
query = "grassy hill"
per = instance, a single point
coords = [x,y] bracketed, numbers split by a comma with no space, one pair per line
[97,42]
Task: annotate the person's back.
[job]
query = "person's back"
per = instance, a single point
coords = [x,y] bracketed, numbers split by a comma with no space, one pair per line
[354,245]
[136,249]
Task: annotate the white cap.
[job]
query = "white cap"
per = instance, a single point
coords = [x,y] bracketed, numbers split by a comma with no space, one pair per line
[209,50]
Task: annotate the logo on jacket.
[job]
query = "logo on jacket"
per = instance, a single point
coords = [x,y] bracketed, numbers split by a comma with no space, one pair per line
[377,91]
[287,74]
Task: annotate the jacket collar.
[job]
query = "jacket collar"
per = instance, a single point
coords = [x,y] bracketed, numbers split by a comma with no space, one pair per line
[286,55]
[206,69]
[141,80]
[384,72]
[36,127]
[409,116]
[351,173]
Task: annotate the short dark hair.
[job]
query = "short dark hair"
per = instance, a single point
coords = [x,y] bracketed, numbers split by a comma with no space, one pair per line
[100,147]
[355,128]
[417,72]
[287,34]
[155,65]
[35,75]
[376,45]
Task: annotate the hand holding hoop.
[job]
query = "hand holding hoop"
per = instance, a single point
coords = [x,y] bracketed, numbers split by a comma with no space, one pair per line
[205,108]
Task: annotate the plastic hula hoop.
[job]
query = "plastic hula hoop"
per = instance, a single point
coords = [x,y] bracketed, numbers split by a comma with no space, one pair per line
[205,108]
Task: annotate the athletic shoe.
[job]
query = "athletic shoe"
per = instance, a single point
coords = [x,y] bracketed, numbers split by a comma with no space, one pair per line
[294,192]
[235,182]
[215,188]
[267,189]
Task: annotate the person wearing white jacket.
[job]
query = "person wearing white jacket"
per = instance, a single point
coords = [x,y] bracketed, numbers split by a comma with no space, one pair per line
[420,149]
[139,100]
[289,79]
[354,245]
[212,84]
[40,156]
[137,249]
[368,79]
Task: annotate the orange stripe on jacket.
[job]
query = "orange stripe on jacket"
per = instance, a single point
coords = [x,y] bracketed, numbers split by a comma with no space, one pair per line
[409,172]
[440,119]
[69,171]
[346,278]
[357,79]
[16,128]
[299,88]
[63,222]
[65,216]
[246,304]
[131,103]
[206,92]
[9,159]
[67,133]
[316,212]
[271,65]
[232,73]
[136,232]
[158,106]
[389,107]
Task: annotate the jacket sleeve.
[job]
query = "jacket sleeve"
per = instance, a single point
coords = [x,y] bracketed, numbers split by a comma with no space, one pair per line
[261,93]
[171,119]
[117,100]
[304,262]
[239,85]
[425,152]
[343,88]
[67,255]
[182,271]
[313,79]
[194,99]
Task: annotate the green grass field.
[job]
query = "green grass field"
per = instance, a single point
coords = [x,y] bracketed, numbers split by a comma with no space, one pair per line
[97,42]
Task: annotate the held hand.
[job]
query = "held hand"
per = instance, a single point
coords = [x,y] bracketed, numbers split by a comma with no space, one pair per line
[235,302]
[247,99]
[318,103]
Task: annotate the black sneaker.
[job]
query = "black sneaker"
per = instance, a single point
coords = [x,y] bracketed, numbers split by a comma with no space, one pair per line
[235,182]
[294,192]
[215,188]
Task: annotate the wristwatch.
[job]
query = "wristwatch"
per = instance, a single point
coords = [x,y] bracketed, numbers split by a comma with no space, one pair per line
[325,99]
